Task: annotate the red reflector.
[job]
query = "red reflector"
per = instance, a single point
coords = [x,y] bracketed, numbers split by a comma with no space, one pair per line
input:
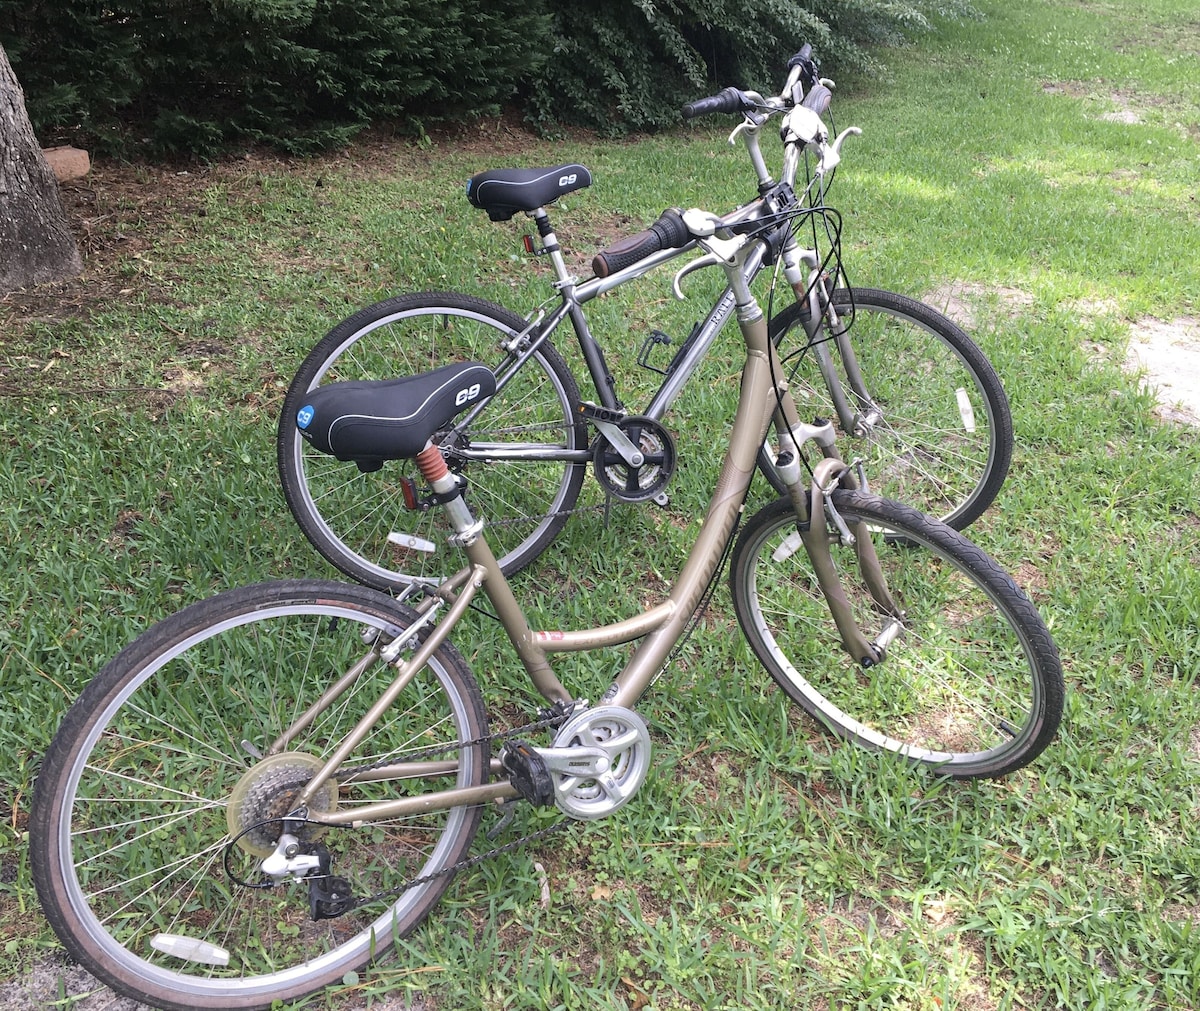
[528,240]
[408,488]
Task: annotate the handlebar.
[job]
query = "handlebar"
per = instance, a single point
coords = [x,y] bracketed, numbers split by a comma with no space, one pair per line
[801,84]
[668,232]
[804,63]
[727,100]
[804,100]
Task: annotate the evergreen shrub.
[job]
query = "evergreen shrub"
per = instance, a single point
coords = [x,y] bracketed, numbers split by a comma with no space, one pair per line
[199,76]
[619,65]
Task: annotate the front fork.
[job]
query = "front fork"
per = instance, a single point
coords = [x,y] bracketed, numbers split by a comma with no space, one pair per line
[814,287]
[830,527]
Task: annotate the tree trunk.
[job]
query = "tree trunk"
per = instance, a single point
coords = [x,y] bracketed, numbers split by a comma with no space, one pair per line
[36,243]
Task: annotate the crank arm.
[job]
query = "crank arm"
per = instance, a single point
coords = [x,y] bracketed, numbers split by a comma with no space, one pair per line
[620,442]
[582,762]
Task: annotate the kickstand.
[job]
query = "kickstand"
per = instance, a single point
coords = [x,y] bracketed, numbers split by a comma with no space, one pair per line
[508,813]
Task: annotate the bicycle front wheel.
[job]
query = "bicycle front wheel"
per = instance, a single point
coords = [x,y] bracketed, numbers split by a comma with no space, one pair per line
[161,793]
[938,427]
[972,686]
[525,454]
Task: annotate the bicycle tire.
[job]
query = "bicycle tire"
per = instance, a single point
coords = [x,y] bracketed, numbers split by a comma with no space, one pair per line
[358,521]
[972,687]
[945,440]
[130,820]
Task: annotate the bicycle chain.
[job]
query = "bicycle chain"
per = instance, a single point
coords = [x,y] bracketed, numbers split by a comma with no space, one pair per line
[545,426]
[465,864]
[554,719]
[561,512]
[515,520]
[434,751]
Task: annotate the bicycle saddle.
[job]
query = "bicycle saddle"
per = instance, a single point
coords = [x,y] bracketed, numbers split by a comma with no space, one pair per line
[503,192]
[390,419]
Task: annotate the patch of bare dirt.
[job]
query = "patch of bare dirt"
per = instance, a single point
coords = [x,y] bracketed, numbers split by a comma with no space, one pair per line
[1125,106]
[54,982]
[120,210]
[1166,354]
[969,303]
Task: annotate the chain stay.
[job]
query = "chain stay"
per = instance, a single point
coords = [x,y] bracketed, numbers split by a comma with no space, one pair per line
[555,717]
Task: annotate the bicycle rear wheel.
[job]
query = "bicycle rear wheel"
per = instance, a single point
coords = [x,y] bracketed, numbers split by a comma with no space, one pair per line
[154,805]
[525,454]
[971,687]
[943,437]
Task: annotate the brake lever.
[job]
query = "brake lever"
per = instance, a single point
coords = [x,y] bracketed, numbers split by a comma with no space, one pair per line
[831,155]
[741,128]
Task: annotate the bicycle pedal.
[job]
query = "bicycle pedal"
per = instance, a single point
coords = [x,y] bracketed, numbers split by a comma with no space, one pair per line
[329,895]
[527,773]
[594,412]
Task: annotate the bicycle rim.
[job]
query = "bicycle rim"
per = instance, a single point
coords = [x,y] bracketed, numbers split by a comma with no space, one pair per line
[512,453]
[971,687]
[158,768]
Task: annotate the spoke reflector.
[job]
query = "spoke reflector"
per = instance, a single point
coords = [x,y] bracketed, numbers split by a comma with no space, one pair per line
[189,949]
[787,548]
[965,410]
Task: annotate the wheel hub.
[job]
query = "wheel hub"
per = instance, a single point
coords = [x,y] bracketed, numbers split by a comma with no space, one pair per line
[267,793]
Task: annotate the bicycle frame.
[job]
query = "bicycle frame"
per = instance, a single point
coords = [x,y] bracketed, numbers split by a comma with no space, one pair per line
[763,400]
[801,267]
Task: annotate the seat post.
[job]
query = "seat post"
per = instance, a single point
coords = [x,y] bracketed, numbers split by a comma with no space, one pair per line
[550,247]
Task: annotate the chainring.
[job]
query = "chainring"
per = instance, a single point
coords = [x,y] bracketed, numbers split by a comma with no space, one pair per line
[636,484]
[622,735]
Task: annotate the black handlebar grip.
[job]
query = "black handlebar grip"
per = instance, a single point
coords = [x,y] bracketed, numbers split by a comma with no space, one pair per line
[668,232]
[818,99]
[807,65]
[803,56]
[727,100]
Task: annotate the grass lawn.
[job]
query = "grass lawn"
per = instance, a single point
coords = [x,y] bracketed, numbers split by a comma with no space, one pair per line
[1035,171]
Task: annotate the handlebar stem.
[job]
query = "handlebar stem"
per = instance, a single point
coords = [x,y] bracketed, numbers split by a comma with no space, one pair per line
[748,131]
[793,91]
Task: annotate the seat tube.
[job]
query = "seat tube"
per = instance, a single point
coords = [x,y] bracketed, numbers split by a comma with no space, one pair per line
[565,281]
[467,530]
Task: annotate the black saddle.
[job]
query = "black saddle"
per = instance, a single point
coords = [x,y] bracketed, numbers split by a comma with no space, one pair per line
[504,192]
[390,419]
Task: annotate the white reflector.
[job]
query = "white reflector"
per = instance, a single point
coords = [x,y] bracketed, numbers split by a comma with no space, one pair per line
[189,949]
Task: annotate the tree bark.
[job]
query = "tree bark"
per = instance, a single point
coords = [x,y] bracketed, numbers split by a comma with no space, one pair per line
[36,243]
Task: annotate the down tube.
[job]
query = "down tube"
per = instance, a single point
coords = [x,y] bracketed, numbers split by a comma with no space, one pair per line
[756,405]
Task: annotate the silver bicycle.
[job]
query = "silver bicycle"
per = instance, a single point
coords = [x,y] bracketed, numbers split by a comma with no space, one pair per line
[926,410]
